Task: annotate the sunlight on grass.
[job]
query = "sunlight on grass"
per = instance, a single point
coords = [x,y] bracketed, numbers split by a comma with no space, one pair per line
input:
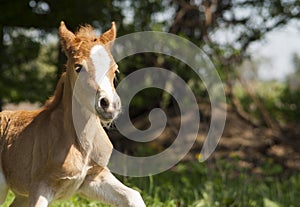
[195,184]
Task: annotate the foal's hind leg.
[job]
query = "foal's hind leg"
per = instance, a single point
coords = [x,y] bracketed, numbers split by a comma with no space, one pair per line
[20,201]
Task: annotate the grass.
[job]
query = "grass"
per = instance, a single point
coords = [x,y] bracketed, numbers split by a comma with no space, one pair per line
[200,185]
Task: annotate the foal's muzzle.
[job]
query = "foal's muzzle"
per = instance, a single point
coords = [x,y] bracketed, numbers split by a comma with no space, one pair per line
[108,108]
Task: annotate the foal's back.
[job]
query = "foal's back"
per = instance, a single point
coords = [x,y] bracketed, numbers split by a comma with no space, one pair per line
[13,122]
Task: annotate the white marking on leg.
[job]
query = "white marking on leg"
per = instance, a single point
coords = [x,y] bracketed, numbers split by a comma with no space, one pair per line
[40,196]
[42,202]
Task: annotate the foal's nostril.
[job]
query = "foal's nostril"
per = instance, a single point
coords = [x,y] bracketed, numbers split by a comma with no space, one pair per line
[104,103]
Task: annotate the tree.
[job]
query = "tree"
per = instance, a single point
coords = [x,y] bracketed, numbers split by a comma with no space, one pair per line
[27,72]
[244,21]
[203,22]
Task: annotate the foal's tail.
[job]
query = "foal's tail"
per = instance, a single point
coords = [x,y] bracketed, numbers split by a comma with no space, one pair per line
[4,123]
[3,184]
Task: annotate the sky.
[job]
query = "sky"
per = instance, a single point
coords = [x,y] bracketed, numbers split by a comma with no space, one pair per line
[275,52]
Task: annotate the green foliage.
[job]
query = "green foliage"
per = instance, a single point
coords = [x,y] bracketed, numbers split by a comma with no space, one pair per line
[290,100]
[278,99]
[23,79]
[290,96]
[28,71]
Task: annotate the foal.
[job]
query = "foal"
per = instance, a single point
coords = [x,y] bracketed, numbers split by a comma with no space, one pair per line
[62,149]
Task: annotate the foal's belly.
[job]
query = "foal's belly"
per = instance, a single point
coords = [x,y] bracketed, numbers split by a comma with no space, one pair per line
[69,187]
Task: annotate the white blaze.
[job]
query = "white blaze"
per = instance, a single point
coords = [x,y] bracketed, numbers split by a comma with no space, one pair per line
[101,61]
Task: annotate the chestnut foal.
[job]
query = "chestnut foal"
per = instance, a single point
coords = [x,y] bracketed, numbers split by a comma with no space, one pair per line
[62,148]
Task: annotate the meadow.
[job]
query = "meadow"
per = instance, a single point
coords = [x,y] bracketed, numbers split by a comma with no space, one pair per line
[218,184]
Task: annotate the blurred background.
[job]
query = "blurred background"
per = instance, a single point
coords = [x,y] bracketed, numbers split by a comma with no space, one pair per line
[255,46]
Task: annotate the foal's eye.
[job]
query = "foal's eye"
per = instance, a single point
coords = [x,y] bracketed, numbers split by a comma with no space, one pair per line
[78,68]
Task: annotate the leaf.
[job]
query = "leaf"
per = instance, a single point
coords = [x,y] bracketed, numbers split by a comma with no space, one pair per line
[270,203]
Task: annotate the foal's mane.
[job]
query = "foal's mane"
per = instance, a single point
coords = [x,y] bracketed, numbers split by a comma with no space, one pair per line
[85,39]
[86,32]
[53,101]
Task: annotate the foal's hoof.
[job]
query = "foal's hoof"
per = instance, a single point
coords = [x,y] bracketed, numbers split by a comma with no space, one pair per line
[136,200]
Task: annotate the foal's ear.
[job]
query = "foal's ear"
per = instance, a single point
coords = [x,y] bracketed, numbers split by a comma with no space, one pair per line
[110,35]
[66,37]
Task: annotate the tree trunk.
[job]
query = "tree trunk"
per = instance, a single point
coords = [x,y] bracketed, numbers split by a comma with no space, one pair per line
[237,106]
[267,117]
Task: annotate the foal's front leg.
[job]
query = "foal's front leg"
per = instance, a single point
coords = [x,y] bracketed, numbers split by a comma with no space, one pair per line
[40,195]
[20,201]
[103,186]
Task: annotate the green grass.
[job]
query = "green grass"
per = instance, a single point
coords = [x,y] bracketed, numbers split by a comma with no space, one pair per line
[200,185]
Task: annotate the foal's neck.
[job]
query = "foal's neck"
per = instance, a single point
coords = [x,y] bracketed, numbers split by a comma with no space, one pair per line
[84,128]
[59,106]
[54,101]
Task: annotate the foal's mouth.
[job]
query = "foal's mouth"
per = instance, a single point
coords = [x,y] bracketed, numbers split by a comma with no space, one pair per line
[106,116]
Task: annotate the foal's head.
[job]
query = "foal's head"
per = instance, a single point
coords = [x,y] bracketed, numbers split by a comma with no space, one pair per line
[89,58]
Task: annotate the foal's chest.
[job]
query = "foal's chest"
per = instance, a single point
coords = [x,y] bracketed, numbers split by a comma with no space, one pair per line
[73,173]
